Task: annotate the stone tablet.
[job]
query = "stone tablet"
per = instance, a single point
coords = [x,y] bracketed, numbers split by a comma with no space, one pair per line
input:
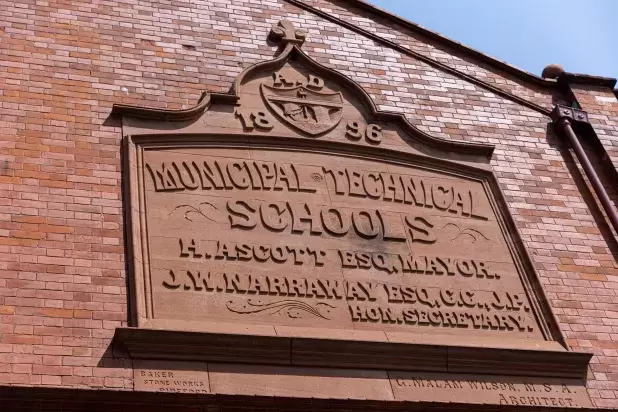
[290,239]
[313,240]
[291,210]
[172,377]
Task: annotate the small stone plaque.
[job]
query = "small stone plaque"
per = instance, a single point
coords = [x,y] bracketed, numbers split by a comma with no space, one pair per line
[174,377]
[485,389]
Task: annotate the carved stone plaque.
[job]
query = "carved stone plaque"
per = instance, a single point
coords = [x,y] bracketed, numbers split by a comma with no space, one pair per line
[291,222]
[172,377]
[312,240]
[301,236]
[537,392]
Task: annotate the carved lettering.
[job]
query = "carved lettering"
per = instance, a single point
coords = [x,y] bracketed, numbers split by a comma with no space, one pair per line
[356,131]
[427,265]
[296,255]
[254,119]
[171,284]
[280,80]
[220,175]
[403,189]
[315,220]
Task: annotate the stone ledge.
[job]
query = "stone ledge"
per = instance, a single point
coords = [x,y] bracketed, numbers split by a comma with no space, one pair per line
[16,398]
[335,353]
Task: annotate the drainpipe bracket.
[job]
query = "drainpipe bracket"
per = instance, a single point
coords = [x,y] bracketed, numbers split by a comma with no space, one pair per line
[571,114]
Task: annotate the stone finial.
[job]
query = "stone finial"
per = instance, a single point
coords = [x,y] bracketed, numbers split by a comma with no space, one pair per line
[552,71]
[284,32]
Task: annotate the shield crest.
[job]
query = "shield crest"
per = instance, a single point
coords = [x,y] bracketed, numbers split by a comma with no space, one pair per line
[311,111]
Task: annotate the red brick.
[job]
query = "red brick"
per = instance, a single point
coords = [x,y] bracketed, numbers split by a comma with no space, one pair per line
[62,263]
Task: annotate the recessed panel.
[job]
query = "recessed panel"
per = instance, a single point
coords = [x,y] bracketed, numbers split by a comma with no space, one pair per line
[313,240]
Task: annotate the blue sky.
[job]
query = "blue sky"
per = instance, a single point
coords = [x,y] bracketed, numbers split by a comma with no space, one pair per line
[582,35]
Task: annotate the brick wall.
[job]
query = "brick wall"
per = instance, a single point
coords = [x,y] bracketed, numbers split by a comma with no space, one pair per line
[602,107]
[64,63]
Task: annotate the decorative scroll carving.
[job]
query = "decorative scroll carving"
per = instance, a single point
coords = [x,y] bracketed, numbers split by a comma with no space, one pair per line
[349,244]
[371,132]
[524,392]
[474,234]
[254,119]
[291,39]
[368,302]
[180,175]
[204,210]
[292,308]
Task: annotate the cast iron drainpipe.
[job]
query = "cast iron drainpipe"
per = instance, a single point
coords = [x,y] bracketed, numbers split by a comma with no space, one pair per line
[562,117]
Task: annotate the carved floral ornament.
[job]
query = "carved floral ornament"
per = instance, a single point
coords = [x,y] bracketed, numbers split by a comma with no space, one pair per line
[292,200]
